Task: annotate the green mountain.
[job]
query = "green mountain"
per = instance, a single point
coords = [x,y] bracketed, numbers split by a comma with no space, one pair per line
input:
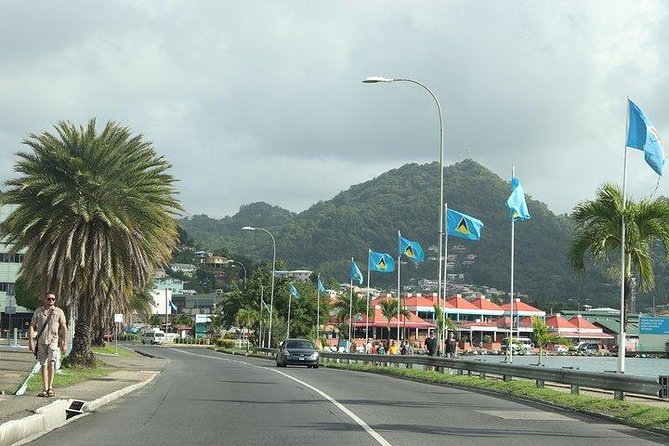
[368,216]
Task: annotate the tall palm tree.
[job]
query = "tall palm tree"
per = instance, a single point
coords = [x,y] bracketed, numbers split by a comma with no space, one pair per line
[389,311]
[246,317]
[96,213]
[599,228]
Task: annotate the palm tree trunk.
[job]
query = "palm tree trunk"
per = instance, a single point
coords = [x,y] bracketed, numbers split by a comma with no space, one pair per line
[83,334]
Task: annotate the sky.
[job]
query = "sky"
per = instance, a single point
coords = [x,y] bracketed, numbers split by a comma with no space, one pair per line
[263,101]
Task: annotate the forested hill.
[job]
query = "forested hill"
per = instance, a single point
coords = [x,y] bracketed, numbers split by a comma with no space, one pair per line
[368,215]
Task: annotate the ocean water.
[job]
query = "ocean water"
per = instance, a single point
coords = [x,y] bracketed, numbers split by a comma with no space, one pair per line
[633,366]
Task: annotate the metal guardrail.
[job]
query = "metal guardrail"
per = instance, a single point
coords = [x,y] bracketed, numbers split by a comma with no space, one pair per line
[618,383]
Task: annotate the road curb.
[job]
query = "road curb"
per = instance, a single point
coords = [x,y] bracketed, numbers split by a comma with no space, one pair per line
[97,403]
[53,416]
[45,419]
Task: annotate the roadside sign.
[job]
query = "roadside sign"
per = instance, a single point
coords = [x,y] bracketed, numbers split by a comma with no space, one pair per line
[118,318]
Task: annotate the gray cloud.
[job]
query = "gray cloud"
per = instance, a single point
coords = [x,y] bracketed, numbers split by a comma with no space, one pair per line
[262,101]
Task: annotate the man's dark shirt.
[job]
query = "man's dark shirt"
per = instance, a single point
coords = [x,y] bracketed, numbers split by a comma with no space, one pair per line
[431,345]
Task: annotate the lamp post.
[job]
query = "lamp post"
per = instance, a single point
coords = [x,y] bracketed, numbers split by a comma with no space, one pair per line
[240,264]
[440,232]
[271,298]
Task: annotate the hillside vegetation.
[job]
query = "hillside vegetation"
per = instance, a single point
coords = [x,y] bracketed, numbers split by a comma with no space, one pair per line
[368,215]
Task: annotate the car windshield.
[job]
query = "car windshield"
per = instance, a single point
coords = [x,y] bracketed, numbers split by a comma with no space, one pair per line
[300,344]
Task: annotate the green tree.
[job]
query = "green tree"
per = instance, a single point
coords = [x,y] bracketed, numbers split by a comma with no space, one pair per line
[96,214]
[598,232]
[245,318]
[389,310]
[542,336]
[345,303]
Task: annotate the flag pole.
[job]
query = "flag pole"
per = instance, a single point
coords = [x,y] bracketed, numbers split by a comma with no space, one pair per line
[290,298]
[350,311]
[443,309]
[622,338]
[399,257]
[369,252]
[509,347]
[318,308]
[262,339]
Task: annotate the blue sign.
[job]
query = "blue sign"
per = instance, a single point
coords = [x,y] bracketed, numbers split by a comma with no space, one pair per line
[653,325]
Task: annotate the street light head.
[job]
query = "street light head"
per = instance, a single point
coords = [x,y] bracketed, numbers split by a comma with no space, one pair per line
[376,79]
[248,228]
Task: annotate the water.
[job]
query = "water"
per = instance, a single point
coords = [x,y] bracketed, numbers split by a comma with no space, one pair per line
[633,366]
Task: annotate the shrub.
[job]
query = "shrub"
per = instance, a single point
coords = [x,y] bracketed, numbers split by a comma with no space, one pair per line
[226,343]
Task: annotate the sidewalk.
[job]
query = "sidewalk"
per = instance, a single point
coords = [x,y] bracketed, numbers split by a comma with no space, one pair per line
[26,415]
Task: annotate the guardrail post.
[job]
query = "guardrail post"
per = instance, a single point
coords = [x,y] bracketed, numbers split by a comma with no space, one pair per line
[482,375]
[618,395]
[575,389]
[506,378]
[540,383]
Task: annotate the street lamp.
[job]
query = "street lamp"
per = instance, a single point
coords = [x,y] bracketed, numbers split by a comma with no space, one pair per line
[240,264]
[380,79]
[271,299]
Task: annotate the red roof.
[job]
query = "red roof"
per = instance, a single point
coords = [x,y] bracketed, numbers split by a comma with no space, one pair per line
[485,304]
[518,305]
[418,302]
[582,323]
[460,303]
[379,320]
[558,322]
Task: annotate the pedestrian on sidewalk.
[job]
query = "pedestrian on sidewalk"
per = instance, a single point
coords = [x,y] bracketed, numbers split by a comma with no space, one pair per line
[451,346]
[431,345]
[48,324]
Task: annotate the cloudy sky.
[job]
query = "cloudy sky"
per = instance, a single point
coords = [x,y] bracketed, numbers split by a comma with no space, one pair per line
[263,100]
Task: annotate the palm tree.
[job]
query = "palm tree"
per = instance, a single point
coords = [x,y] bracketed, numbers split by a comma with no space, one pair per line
[389,310]
[543,336]
[344,304]
[599,228]
[96,214]
[246,317]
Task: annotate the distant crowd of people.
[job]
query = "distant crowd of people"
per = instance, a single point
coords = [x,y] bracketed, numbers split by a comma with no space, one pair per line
[406,348]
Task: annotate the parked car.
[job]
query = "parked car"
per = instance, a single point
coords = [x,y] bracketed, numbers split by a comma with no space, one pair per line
[297,352]
[589,348]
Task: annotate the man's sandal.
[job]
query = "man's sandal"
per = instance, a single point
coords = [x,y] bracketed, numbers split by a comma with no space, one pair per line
[43,393]
[50,393]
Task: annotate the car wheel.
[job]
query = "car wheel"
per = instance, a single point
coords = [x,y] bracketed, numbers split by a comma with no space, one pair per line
[315,366]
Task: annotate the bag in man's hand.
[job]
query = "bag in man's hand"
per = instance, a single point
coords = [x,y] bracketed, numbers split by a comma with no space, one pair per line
[35,350]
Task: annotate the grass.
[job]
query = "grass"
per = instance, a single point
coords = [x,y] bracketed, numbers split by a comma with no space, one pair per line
[67,377]
[110,349]
[635,414]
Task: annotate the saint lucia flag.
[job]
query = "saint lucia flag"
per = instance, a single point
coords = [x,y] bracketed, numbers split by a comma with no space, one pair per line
[321,288]
[516,202]
[411,249]
[174,307]
[462,225]
[642,135]
[354,273]
[381,262]
[293,291]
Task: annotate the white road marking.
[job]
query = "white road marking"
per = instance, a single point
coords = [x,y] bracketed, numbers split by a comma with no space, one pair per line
[378,437]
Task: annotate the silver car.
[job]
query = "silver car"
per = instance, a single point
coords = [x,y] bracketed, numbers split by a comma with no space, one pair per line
[297,352]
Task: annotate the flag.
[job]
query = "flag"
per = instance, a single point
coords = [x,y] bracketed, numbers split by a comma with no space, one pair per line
[354,273]
[516,202]
[381,262]
[174,307]
[642,135]
[293,291]
[411,249]
[462,225]
[321,288]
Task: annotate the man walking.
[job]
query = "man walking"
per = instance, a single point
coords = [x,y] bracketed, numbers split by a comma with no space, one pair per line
[451,346]
[50,327]
[431,345]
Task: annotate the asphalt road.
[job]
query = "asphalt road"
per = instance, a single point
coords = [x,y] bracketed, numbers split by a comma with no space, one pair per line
[206,398]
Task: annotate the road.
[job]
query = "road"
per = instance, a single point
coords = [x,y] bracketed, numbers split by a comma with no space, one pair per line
[207,398]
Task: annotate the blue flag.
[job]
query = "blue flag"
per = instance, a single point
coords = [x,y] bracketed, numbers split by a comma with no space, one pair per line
[642,135]
[354,273]
[174,307]
[381,262]
[516,202]
[293,291]
[411,249]
[321,288]
[462,225]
